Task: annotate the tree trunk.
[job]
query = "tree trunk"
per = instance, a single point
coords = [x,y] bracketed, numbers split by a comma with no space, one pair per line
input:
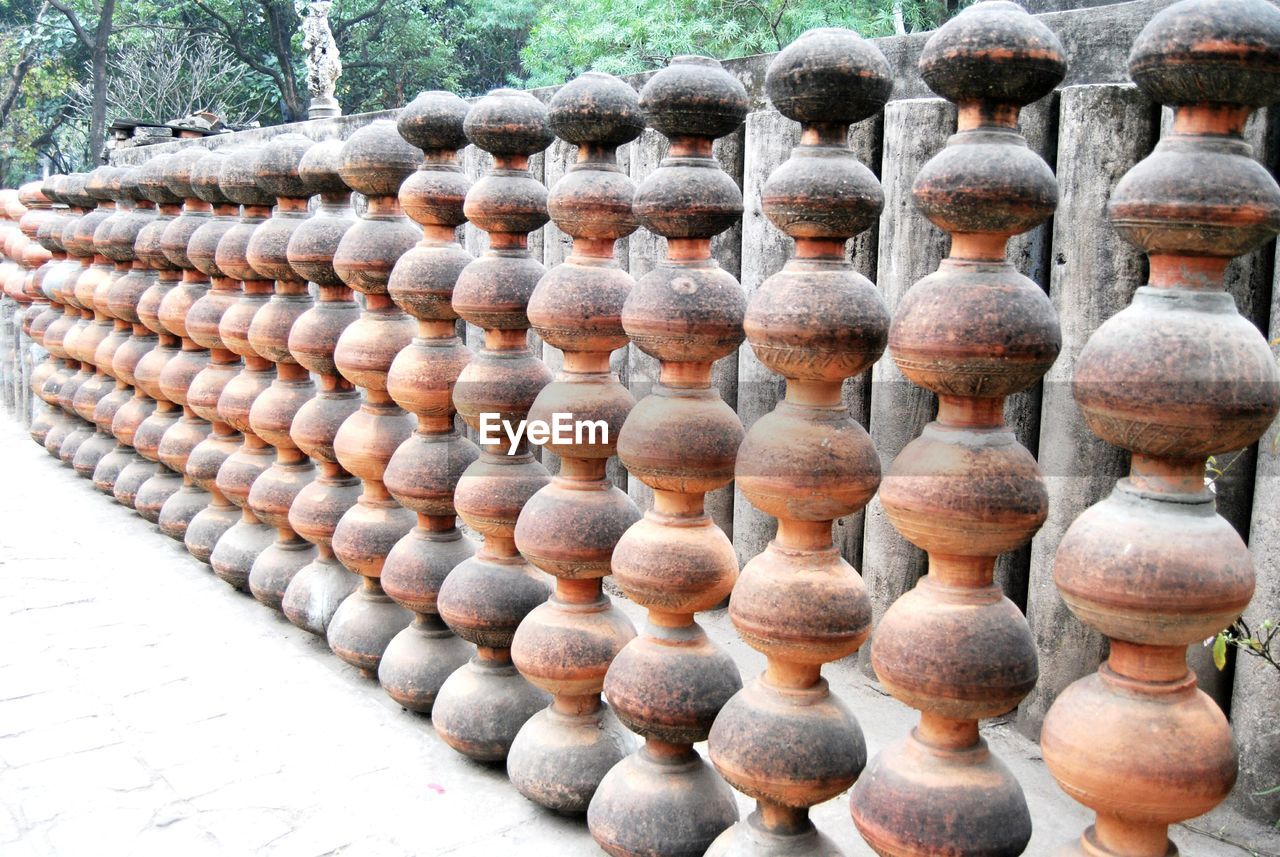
[98,119]
[282,23]
[19,74]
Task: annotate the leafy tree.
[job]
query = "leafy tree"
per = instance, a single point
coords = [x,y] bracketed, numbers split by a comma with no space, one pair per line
[92,24]
[627,36]
[488,36]
[35,45]
[265,36]
[72,64]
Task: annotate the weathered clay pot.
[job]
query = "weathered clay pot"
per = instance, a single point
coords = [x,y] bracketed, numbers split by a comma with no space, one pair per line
[1174,377]
[180,373]
[314,593]
[273,412]
[96,281]
[668,683]
[123,470]
[974,332]
[62,335]
[237,549]
[375,160]
[482,705]
[39,254]
[570,527]
[784,739]
[203,328]
[424,471]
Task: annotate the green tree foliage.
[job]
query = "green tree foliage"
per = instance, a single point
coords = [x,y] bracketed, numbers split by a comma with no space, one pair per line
[390,49]
[626,36]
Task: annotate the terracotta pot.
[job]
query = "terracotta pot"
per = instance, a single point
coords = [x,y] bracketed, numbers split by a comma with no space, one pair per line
[668,683]
[424,470]
[570,527]
[1174,377]
[481,706]
[974,332]
[784,739]
[276,170]
[374,162]
[237,549]
[314,593]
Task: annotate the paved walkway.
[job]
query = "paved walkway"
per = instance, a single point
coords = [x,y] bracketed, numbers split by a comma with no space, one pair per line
[148,709]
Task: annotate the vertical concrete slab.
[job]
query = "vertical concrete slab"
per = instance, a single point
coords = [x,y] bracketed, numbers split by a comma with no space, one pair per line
[910,247]
[770,137]
[1029,253]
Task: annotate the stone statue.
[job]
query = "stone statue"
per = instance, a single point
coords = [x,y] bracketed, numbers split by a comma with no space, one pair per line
[324,67]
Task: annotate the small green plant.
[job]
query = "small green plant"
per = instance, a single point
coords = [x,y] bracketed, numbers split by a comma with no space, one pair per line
[1240,636]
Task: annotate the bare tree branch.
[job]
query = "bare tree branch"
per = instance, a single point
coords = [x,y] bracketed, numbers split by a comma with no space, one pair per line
[233,44]
[173,76]
[340,27]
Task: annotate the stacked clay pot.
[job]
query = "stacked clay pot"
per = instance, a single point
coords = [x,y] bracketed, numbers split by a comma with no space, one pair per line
[35,255]
[482,705]
[72,430]
[375,160]
[974,332]
[93,283]
[235,552]
[16,245]
[273,412]
[12,278]
[1175,377]
[123,471]
[38,257]
[669,682]
[424,471]
[12,243]
[204,321]
[570,527]
[314,593]
[164,481]
[175,380]
[784,739]
[115,245]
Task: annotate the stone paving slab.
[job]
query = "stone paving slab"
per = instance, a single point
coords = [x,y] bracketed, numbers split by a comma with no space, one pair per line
[148,709]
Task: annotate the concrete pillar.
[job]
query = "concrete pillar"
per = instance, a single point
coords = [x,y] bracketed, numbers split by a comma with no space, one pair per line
[909,248]
[1257,683]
